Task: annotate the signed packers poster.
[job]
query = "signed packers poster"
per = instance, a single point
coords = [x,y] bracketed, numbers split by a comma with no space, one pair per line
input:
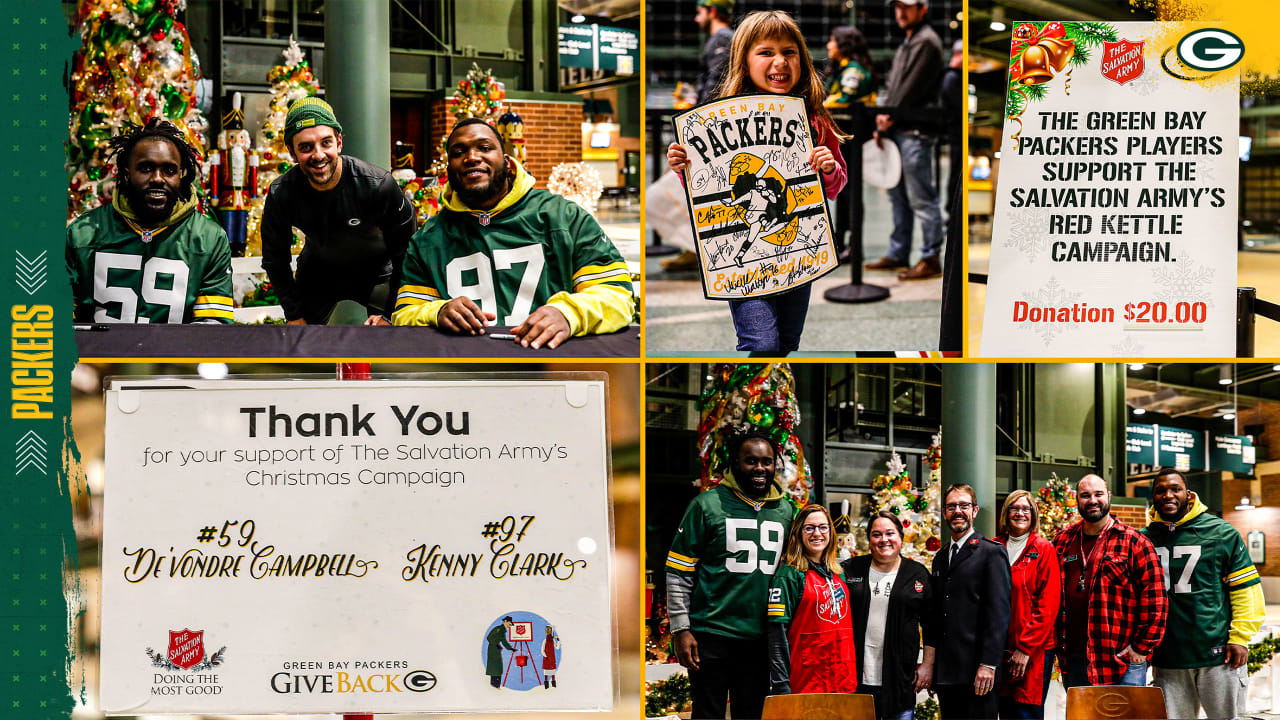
[758,210]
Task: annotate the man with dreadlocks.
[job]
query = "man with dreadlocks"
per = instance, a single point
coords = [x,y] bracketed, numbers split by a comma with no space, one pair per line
[500,251]
[356,220]
[149,257]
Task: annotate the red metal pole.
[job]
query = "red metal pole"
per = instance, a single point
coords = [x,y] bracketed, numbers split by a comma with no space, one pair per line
[355,371]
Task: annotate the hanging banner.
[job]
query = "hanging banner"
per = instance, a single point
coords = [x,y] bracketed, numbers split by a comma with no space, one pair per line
[758,209]
[331,547]
[1115,225]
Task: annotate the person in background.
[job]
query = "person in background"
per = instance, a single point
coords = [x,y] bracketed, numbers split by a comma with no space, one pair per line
[850,89]
[1034,600]
[889,596]
[911,93]
[811,647]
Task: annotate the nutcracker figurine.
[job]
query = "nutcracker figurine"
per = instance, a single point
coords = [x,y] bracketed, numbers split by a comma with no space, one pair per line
[235,176]
[511,127]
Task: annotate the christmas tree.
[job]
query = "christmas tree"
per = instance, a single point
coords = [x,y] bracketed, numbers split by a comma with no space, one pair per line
[135,63]
[737,398]
[1056,502]
[289,82]
[478,96]
[918,510]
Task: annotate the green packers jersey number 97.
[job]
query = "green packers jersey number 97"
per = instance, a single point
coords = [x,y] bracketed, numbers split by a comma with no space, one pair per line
[762,553]
[1188,570]
[504,262]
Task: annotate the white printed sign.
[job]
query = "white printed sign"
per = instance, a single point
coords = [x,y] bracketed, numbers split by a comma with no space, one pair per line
[758,209]
[384,546]
[1115,227]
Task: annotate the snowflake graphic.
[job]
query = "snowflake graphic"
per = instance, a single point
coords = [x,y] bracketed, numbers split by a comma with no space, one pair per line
[1183,281]
[1128,349]
[1146,85]
[1051,294]
[1206,173]
[1029,232]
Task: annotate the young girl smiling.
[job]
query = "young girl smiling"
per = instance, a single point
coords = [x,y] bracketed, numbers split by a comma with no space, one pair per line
[769,56]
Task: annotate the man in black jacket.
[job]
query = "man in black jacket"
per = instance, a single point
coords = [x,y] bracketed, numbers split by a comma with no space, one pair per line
[970,618]
[356,220]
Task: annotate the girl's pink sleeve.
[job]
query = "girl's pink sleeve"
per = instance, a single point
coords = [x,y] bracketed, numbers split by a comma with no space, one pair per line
[834,181]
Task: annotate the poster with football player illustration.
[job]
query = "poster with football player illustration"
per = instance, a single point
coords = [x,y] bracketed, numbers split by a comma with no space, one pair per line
[758,210]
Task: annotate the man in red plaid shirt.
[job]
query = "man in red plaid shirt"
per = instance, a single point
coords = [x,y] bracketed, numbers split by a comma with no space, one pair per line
[1114,603]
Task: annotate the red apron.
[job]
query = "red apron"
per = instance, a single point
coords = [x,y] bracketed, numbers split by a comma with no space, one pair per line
[821,635]
[1037,592]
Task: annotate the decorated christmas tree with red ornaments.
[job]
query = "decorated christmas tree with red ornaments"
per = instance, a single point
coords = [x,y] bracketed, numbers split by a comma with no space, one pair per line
[738,398]
[135,63]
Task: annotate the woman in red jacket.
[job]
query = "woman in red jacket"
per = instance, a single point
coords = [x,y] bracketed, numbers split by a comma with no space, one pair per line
[1037,591]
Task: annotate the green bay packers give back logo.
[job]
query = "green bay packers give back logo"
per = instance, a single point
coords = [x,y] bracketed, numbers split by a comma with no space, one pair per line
[1210,49]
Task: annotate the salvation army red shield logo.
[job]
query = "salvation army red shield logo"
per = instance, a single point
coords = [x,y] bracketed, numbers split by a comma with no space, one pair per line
[919,586]
[1122,60]
[186,648]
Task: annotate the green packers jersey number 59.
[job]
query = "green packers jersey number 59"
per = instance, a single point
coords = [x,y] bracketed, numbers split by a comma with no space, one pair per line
[163,284]
[762,553]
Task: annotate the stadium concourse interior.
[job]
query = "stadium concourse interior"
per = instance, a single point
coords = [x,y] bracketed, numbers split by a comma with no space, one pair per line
[680,320]
[862,437]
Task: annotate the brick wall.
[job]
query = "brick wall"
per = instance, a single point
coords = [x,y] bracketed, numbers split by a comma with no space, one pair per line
[1135,516]
[1265,491]
[552,133]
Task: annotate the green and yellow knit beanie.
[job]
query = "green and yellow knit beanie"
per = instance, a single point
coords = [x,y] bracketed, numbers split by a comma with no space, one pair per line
[308,112]
[724,6]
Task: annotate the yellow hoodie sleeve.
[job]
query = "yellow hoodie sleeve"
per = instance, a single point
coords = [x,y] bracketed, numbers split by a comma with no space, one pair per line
[596,309]
[1248,610]
[421,314]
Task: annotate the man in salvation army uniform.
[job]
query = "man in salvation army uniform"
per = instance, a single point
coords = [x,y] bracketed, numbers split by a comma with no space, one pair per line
[970,618]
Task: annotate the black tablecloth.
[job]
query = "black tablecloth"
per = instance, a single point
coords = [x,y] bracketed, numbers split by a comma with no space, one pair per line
[297,342]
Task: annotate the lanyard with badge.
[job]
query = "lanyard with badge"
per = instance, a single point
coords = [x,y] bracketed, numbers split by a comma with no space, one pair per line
[1084,559]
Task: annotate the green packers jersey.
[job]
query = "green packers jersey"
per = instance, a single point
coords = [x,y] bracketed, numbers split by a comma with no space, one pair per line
[1204,558]
[785,591]
[181,274]
[510,263]
[732,546]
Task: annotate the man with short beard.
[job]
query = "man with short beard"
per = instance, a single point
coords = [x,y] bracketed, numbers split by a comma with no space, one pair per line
[1215,603]
[356,219]
[970,619]
[501,252]
[727,548]
[150,257]
[1114,603]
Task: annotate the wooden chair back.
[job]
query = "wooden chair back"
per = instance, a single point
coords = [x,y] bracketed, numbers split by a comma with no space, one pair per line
[1115,702]
[819,706]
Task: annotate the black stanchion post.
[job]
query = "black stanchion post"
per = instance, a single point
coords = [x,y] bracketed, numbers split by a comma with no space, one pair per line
[1246,298]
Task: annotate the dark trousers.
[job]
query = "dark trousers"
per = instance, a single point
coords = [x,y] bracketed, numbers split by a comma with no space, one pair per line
[729,669]
[959,702]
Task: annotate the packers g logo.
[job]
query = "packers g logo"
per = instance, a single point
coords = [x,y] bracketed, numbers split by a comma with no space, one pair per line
[1210,49]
